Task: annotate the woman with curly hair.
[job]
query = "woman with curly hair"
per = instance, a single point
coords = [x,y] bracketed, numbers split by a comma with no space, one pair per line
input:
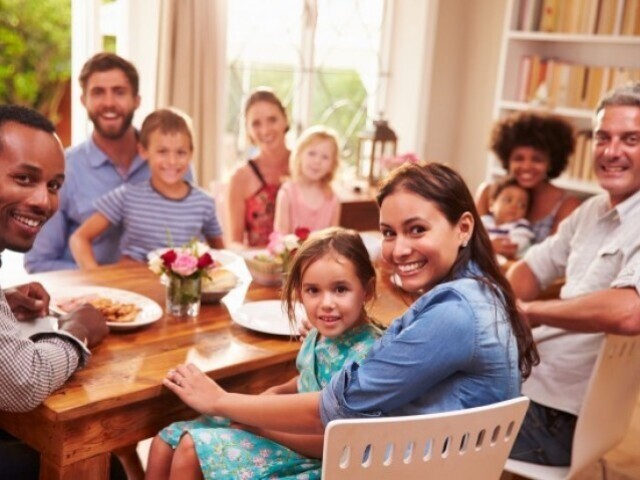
[534,148]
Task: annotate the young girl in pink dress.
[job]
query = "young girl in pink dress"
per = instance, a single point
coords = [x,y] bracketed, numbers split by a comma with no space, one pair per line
[307,200]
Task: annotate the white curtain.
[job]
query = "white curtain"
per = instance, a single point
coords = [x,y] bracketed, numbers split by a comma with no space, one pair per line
[191,70]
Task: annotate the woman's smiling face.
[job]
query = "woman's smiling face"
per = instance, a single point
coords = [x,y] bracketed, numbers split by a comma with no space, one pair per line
[419,241]
[529,166]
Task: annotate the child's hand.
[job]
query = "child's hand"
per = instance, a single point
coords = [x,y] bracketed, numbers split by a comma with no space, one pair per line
[194,388]
[505,247]
[304,328]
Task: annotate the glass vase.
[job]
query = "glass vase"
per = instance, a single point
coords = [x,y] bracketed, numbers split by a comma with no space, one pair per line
[183,296]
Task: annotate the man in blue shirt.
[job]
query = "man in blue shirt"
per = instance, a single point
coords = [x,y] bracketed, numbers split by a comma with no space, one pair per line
[107,159]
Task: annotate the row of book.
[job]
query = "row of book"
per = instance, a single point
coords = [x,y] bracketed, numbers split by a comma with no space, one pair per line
[591,17]
[555,83]
[581,162]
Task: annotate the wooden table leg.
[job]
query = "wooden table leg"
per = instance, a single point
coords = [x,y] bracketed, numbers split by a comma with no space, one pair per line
[94,468]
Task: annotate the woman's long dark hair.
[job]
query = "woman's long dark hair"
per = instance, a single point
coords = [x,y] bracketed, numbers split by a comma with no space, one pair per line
[445,188]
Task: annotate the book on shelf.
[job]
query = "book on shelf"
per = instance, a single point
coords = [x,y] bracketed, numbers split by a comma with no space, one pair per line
[629,17]
[580,166]
[534,76]
[607,17]
[575,92]
[524,75]
[589,19]
[593,86]
[529,15]
[549,16]
[557,83]
[599,17]
[585,159]
[569,16]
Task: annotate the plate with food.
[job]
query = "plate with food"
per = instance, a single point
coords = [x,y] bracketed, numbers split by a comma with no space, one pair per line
[266,316]
[124,310]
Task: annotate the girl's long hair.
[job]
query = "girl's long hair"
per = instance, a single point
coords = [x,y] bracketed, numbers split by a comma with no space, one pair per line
[344,242]
[445,188]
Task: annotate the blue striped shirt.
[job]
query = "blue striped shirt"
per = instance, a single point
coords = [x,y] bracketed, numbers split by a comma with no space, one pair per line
[151,220]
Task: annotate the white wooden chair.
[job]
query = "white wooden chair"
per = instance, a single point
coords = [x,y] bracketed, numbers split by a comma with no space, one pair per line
[463,444]
[609,402]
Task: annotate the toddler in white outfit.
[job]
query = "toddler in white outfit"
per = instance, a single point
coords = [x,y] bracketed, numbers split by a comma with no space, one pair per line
[507,218]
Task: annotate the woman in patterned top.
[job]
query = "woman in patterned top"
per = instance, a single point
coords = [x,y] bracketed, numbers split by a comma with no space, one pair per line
[254,185]
[332,276]
[533,148]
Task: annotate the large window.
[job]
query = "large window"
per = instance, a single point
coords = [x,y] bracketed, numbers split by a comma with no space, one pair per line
[322,57]
[329,60]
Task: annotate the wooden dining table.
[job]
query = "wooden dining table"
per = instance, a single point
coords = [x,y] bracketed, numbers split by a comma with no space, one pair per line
[118,399]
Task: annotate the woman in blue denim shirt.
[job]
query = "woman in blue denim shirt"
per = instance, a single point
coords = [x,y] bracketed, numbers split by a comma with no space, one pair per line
[461,344]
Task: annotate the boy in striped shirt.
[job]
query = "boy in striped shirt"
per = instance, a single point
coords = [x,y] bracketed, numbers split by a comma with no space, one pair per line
[164,211]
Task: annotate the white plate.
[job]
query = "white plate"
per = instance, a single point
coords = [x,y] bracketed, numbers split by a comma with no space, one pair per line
[266,316]
[150,311]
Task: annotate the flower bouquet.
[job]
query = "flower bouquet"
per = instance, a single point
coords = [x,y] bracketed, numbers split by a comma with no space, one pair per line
[184,269]
[391,163]
[268,267]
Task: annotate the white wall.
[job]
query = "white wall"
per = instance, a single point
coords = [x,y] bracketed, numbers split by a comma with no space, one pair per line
[467,50]
[137,41]
[410,64]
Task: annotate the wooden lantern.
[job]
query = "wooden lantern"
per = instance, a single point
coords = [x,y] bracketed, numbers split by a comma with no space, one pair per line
[373,146]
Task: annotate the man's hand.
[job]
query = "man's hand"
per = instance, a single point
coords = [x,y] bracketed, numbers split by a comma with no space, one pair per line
[523,310]
[86,323]
[28,301]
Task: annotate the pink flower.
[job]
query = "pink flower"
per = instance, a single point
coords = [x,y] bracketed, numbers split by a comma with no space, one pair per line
[185,264]
[276,244]
[392,162]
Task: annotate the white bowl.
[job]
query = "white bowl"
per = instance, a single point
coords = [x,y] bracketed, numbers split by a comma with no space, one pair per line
[264,273]
[214,295]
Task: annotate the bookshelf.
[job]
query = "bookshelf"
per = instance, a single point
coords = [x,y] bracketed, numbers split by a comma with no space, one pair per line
[560,56]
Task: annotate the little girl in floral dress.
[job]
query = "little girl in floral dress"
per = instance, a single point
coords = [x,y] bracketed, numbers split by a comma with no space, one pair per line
[332,276]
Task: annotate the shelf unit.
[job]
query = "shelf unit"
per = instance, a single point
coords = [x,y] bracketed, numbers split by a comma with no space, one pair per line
[590,50]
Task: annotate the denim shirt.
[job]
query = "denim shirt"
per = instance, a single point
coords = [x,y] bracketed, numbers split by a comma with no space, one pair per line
[453,349]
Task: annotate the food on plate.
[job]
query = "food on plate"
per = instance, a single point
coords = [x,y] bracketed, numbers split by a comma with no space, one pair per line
[116,311]
[68,304]
[113,310]
[219,279]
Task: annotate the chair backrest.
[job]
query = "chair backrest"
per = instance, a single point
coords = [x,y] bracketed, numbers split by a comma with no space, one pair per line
[472,443]
[609,401]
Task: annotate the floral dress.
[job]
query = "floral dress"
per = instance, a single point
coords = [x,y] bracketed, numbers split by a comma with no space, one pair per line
[260,210]
[228,453]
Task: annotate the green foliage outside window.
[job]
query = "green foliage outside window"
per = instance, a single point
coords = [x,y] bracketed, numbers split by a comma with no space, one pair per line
[35,53]
[338,102]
